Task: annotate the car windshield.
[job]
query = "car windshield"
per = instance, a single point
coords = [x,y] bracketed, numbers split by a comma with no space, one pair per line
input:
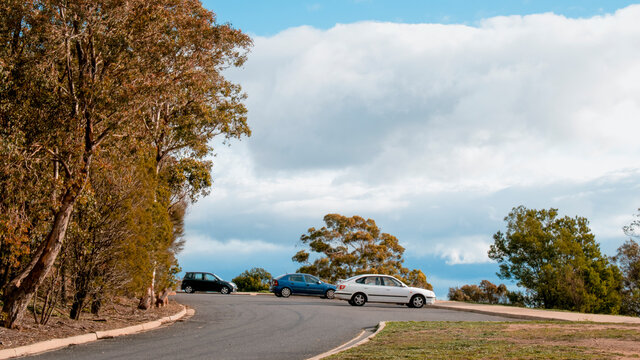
[351,278]
[217,277]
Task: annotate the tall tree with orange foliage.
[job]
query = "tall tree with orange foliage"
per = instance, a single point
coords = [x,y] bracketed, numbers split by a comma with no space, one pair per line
[348,246]
[85,76]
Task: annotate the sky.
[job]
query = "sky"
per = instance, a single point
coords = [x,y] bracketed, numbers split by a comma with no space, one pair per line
[434,118]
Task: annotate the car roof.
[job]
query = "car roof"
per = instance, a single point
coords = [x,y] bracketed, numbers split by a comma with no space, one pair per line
[363,275]
[283,275]
[359,275]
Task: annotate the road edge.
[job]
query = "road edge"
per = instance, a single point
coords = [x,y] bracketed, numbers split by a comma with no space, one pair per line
[251,293]
[55,344]
[349,344]
[495,313]
[245,293]
[534,314]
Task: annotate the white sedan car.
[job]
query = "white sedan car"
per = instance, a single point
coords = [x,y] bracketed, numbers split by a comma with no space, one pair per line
[382,288]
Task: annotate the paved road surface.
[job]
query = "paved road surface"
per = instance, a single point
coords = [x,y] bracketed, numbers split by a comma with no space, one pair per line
[256,327]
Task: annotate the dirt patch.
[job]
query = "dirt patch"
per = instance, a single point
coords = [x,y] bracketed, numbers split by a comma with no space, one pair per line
[122,313]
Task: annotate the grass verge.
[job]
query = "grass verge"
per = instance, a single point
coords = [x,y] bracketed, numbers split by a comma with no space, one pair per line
[500,340]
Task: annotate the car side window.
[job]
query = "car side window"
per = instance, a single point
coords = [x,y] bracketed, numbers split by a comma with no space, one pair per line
[297,278]
[197,276]
[188,276]
[361,280]
[311,279]
[372,280]
[209,277]
[390,282]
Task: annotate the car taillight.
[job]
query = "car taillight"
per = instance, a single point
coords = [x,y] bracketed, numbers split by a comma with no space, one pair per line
[275,282]
[341,287]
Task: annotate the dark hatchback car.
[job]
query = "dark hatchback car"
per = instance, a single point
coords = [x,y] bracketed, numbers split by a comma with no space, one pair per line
[301,284]
[202,281]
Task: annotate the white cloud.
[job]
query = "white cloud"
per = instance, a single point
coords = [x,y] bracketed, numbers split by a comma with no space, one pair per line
[516,100]
[418,126]
[465,250]
[206,246]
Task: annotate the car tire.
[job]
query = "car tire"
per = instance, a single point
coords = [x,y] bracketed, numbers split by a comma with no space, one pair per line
[329,294]
[277,294]
[351,303]
[225,290]
[285,292]
[417,301]
[359,299]
[188,289]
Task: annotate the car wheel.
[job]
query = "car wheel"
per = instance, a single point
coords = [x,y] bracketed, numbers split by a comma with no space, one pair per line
[225,290]
[359,299]
[329,294]
[285,292]
[417,301]
[277,294]
[188,289]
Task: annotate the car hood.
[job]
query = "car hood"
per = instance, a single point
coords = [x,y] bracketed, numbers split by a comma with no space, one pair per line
[425,292]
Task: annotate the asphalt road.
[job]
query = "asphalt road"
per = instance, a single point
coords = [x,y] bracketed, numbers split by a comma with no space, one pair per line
[256,327]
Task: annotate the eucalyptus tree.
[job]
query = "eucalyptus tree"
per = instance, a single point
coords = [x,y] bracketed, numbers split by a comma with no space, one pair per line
[348,246]
[82,77]
[628,258]
[557,260]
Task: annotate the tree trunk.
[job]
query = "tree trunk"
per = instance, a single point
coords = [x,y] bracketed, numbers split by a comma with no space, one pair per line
[149,298]
[163,298]
[81,283]
[146,301]
[78,304]
[96,304]
[63,285]
[21,289]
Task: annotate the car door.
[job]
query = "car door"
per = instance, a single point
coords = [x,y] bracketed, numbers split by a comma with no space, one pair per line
[298,285]
[211,282]
[394,291]
[371,286]
[197,282]
[188,280]
[313,285]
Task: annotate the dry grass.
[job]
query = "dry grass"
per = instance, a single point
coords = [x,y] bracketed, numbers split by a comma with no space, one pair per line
[500,340]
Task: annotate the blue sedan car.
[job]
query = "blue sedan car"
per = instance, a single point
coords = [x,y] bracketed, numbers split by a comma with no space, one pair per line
[301,284]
